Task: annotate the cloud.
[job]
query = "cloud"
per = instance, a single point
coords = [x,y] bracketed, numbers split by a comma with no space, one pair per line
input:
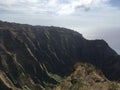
[60,7]
[100,18]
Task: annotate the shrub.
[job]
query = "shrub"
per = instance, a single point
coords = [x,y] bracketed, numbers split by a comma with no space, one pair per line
[113,86]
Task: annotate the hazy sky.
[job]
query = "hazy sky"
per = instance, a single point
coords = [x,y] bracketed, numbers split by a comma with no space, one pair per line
[95,19]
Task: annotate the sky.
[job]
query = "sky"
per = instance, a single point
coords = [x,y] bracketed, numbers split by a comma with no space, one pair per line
[95,19]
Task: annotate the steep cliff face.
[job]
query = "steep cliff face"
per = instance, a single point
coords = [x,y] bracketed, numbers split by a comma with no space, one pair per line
[28,53]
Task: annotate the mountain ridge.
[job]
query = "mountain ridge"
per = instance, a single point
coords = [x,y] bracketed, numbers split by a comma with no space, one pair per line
[28,53]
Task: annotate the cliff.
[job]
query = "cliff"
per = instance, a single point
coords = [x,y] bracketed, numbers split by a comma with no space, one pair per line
[29,53]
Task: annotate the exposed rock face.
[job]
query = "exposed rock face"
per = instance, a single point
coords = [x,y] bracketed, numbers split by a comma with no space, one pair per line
[29,53]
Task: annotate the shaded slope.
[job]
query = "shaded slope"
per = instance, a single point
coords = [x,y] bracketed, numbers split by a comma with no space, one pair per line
[28,53]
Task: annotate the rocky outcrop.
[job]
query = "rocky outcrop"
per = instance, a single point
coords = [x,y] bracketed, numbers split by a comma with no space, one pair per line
[86,77]
[28,53]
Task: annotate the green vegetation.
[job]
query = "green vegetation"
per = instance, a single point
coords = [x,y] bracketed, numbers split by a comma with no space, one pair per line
[90,69]
[25,88]
[86,77]
[78,85]
[49,86]
[114,86]
[55,77]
